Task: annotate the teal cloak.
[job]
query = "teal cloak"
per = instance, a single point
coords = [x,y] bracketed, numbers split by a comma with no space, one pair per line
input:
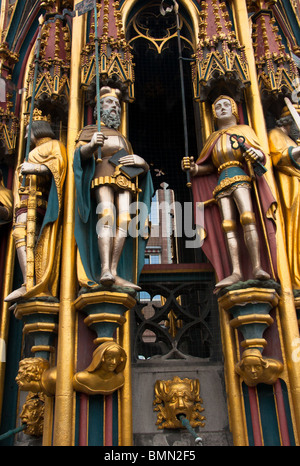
[86,221]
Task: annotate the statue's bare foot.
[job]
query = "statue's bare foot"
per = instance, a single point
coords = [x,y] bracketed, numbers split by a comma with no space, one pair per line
[16,295]
[260,274]
[107,279]
[234,278]
[122,282]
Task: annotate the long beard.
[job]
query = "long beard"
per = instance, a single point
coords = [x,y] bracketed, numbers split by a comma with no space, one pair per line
[112,121]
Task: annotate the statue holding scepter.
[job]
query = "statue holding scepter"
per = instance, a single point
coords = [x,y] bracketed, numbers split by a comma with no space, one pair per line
[107,186]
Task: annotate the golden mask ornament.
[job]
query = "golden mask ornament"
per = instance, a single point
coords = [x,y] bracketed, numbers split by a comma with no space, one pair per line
[33,414]
[175,397]
[105,373]
[35,375]
[254,368]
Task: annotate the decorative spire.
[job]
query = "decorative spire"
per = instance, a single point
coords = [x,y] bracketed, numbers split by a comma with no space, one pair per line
[52,85]
[8,119]
[276,69]
[115,58]
[219,56]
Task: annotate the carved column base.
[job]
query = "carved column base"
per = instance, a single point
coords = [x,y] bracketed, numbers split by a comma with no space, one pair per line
[104,314]
[41,323]
[40,319]
[250,310]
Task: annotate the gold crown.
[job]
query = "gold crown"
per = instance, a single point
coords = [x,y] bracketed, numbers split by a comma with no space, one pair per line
[37,115]
[107,91]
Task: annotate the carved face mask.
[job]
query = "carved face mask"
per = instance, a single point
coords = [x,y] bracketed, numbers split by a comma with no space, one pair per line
[180,400]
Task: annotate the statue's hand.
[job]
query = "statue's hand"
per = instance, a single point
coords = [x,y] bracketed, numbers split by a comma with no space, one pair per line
[28,168]
[135,160]
[188,164]
[97,140]
[253,155]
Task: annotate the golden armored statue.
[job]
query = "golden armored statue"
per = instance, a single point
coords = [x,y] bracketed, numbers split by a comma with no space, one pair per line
[38,211]
[285,154]
[231,190]
[104,187]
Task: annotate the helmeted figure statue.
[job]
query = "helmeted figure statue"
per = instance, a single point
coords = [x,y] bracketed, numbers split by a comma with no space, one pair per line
[221,173]
[45,173]
[104,188]
[285,156]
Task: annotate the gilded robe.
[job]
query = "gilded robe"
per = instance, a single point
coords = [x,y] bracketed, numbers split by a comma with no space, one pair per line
[287,173]
[52,154]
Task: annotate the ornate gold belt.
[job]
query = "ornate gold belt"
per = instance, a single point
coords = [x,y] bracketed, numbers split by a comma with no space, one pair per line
[230,181]
[232,163]
[120,180]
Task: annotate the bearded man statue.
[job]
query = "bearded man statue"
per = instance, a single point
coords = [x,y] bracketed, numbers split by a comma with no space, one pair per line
[104,194]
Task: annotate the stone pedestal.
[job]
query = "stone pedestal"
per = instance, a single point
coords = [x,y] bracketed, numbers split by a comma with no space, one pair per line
[104,386]
[250,310]
[105,312]
[40,319]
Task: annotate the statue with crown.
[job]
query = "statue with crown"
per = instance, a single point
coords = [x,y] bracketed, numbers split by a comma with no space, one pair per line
[111,184]
[38,205]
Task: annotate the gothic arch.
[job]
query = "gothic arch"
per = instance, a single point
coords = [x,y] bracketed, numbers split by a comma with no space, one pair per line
[192,10]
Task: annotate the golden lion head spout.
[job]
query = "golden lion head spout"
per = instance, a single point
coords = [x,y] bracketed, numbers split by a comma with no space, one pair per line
[178,397]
